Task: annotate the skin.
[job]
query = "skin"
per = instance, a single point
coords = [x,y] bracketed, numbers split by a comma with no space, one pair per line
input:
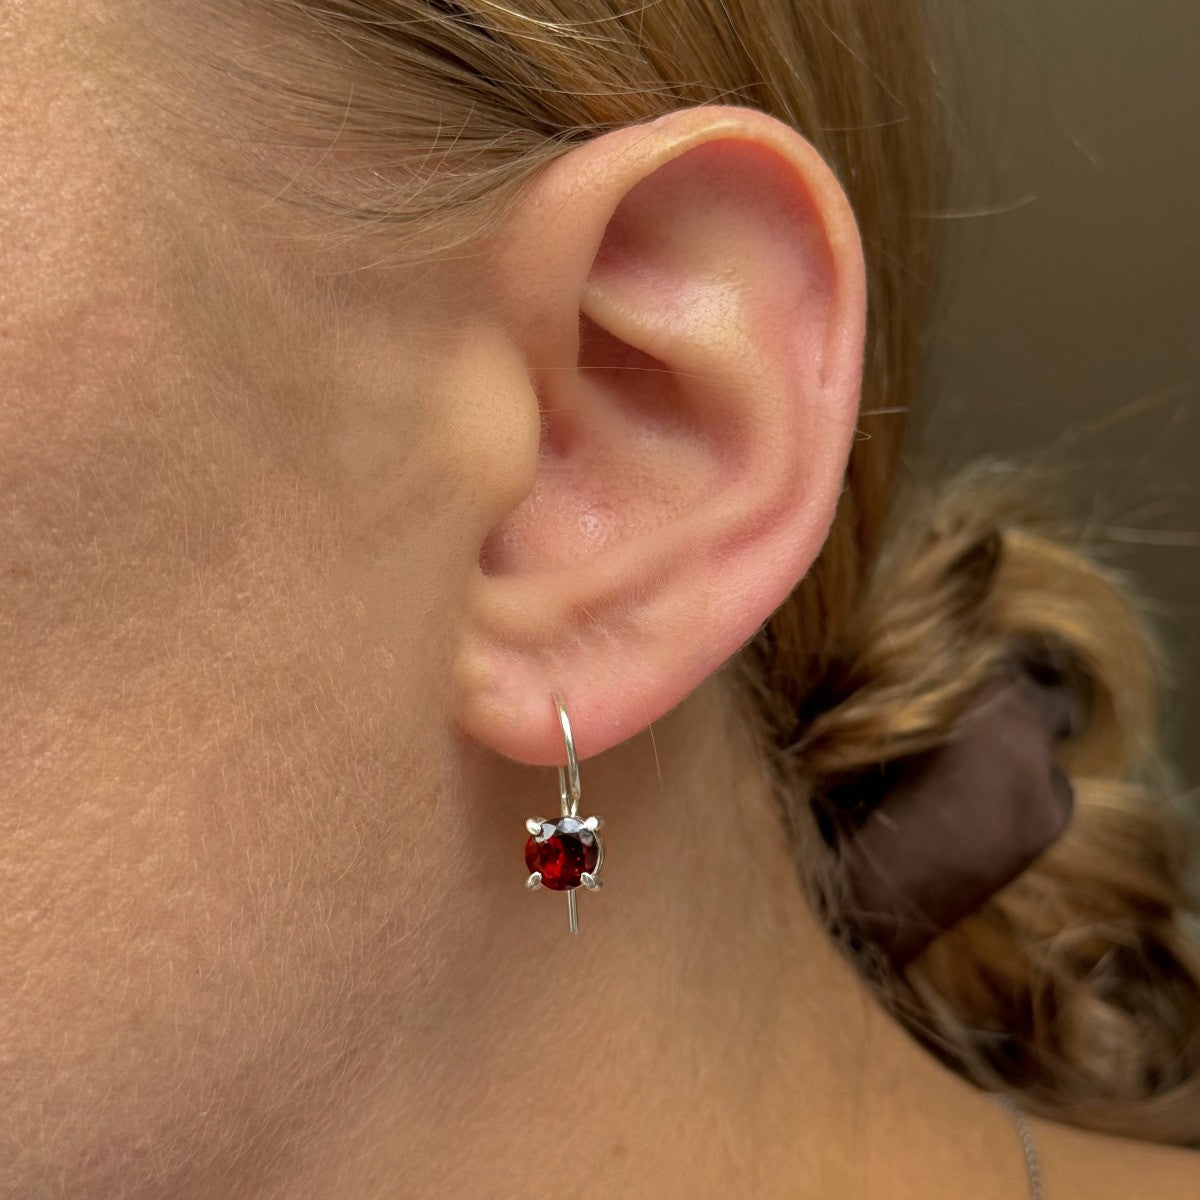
[294,557]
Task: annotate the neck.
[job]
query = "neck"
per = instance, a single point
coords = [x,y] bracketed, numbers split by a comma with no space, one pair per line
[699,1037]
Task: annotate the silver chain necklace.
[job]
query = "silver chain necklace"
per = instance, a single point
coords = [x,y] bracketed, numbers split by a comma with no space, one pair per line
[1026,1136]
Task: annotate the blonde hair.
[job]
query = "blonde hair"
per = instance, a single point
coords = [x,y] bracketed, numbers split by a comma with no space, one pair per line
[1076,987]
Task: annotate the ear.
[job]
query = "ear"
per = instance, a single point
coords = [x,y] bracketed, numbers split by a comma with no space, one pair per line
[689,299]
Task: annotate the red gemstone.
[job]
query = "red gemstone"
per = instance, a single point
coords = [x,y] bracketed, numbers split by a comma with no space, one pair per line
[562,852]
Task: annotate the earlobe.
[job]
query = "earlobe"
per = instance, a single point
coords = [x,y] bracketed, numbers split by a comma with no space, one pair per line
[689,297]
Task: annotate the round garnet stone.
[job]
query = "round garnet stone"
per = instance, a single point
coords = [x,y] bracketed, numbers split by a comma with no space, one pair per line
[562,852]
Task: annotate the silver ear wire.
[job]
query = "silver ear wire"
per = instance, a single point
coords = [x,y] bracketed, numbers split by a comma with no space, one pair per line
[568,777]
[566,854]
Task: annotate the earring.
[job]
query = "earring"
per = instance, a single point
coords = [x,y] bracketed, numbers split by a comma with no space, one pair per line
[565,853]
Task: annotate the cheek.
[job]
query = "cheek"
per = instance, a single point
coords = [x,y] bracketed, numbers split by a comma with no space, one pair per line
[224,759]
[222,766]
[222,770]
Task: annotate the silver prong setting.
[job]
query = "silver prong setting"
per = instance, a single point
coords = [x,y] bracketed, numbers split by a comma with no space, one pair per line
[534,881]
[534,825]
[590,882]
[594,823]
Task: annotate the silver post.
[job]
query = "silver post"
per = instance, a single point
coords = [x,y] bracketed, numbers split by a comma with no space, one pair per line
[568,790]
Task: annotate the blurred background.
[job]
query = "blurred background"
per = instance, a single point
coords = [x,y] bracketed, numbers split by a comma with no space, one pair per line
[1069,327]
